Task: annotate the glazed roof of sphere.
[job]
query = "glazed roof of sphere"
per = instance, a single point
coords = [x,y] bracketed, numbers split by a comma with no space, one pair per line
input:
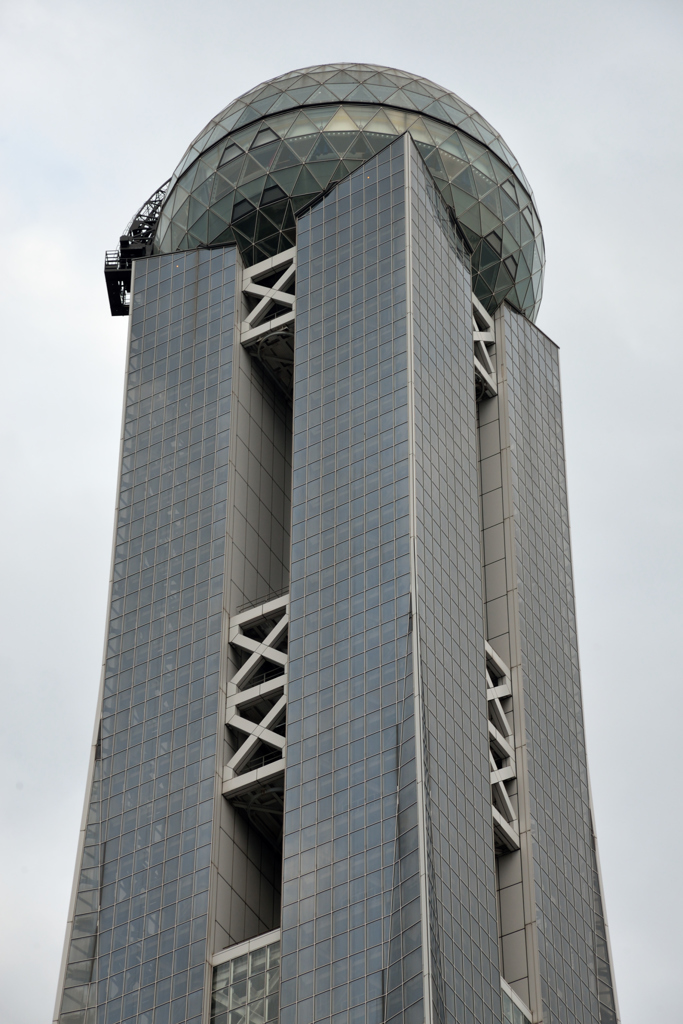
[350,83]
[269,154]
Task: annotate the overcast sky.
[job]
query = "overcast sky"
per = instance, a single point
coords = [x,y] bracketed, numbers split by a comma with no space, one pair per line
[99,101]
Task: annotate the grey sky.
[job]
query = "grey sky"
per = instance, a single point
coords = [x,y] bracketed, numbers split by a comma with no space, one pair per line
[99,102]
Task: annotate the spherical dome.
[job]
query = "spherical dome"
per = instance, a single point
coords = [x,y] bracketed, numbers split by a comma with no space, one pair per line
[281,145]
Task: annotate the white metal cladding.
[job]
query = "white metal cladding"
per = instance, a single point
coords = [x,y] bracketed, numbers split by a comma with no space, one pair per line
[501,750]
[257,697]
[484,341]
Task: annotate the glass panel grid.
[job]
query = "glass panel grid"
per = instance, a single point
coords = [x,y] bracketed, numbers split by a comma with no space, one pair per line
[350,844]
[138,949]
[449,615]
[558,782]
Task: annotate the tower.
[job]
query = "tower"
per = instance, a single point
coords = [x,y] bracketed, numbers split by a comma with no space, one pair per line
[339,771]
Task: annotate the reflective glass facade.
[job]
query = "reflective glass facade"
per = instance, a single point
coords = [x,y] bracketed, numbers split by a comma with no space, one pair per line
[339,774]
[449,603]
[351,861]
[138,947]
[570,932]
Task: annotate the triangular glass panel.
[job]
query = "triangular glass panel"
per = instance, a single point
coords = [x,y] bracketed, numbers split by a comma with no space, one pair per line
[283,122]
[196,210]
[302,146]
[340,141]
[525,293]
[488,275]
[401,120]
[401,100]
[300,95]
[224,207]
[210,159]
[504,281]
[525,232]
[241,208]
[419,99]
[285,158]
[232,170]
[306,183]
[489,221]
[322,150]
[248,252]
[440,133]
[509,244]
[321,116]
[178,197]
[282,103]
[277,211]
[436,110]
[492,201]
[220,187]
[420,132]
[483,164]
[248,114]
[264,227]
[462,201]
[487,256]
[514,226]
[229,153]
[229,120]
[454,114]
[200,226]
[263,104]
[265,154]
[246,224]
[418,87]
[288,221]
[445,191]
[301,126]
[471,219]
[245,137]
[177,236]
[202,193]
[382,92]
[324,171]
[181,216]
[342,122]
[381,124]
[270,246]
[187,179]
[465,181]
[272,193]
[251,169]
[453,165]
[287,178]
[361,95]
[435,164]
[508,207]
[472,148]
[252,189]
[341,78]
[216,226]
[264,136]
[270,89]
[323,95]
